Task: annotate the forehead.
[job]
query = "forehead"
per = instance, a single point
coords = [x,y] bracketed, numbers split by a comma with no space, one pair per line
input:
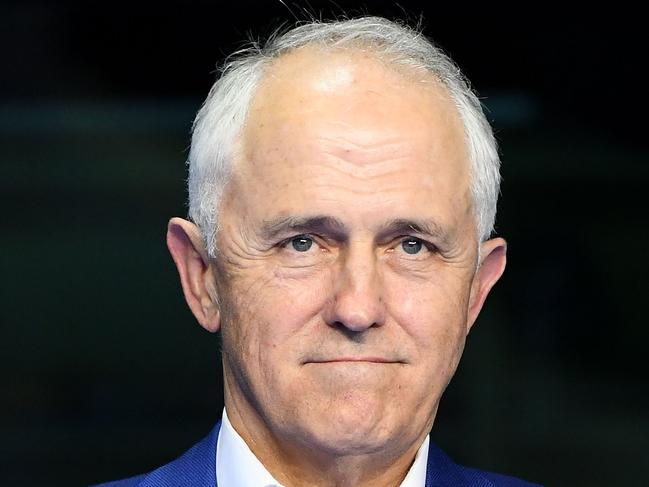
[348,118]
[356,90]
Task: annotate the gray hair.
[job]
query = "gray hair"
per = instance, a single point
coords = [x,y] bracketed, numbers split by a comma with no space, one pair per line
[223,114]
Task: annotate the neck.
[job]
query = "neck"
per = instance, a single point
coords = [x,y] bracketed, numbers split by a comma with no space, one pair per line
[295,462]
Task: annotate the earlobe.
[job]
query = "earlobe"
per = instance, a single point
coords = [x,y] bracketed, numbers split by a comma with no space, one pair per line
[187,249]
[492,265]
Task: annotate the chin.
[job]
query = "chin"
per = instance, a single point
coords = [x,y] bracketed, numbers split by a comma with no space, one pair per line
[353,427]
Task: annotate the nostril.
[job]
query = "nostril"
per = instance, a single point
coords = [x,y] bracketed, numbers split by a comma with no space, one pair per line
[354,334]
[355,324]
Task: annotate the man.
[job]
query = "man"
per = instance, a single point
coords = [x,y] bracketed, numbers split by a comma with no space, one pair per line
[343,184]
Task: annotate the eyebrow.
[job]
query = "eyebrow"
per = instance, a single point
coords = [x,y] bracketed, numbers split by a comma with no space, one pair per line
[404,226]
[323,225]
[336,229]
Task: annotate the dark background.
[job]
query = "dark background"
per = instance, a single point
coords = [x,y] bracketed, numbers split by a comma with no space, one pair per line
[105,373]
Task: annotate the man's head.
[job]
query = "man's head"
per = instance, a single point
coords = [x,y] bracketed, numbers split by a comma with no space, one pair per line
[218,124]
[347,274]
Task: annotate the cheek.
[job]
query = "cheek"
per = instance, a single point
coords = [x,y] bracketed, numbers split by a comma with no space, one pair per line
[433,313]
[272,308]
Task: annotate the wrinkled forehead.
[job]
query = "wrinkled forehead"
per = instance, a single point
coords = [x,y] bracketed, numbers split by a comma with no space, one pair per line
[354,88]
[347,108]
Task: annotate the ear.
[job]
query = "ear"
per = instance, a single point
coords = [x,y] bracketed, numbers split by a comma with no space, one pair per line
[196,274]
[493,258]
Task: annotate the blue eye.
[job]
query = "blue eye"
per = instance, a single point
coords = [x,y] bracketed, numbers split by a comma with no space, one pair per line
[302,243]
[411,245]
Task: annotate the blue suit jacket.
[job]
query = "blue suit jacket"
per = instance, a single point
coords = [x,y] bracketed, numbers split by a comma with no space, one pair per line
[197,468]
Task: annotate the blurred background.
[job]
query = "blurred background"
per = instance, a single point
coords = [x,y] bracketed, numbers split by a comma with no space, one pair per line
[105,373]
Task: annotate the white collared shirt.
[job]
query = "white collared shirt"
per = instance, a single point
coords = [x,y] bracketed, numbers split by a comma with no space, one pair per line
[237,465]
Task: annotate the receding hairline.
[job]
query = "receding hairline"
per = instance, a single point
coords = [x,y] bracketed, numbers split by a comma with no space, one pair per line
[357,53]
[360,48]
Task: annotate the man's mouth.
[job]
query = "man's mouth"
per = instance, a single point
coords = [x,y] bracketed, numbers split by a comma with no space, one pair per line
[354,359]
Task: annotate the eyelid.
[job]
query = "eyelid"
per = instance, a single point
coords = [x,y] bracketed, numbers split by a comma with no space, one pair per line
[286,241]
[430,246]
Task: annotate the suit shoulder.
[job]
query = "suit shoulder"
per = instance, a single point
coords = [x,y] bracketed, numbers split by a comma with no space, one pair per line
[129,482]
[442,471]
[196,467]
[499,480]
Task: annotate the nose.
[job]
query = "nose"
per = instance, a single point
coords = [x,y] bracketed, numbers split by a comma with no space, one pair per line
[357,293]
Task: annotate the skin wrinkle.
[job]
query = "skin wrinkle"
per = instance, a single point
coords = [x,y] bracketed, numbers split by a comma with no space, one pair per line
[362,172]
[364,155]
[394,154]
[390,187]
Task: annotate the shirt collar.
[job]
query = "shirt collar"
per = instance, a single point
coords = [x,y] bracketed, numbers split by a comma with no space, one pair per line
[237,465]
[416,476]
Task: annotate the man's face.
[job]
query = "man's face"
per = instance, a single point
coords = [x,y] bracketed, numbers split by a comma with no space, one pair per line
[347,255]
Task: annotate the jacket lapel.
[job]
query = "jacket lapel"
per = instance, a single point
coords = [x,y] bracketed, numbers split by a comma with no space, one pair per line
[441,471]
[196,468]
